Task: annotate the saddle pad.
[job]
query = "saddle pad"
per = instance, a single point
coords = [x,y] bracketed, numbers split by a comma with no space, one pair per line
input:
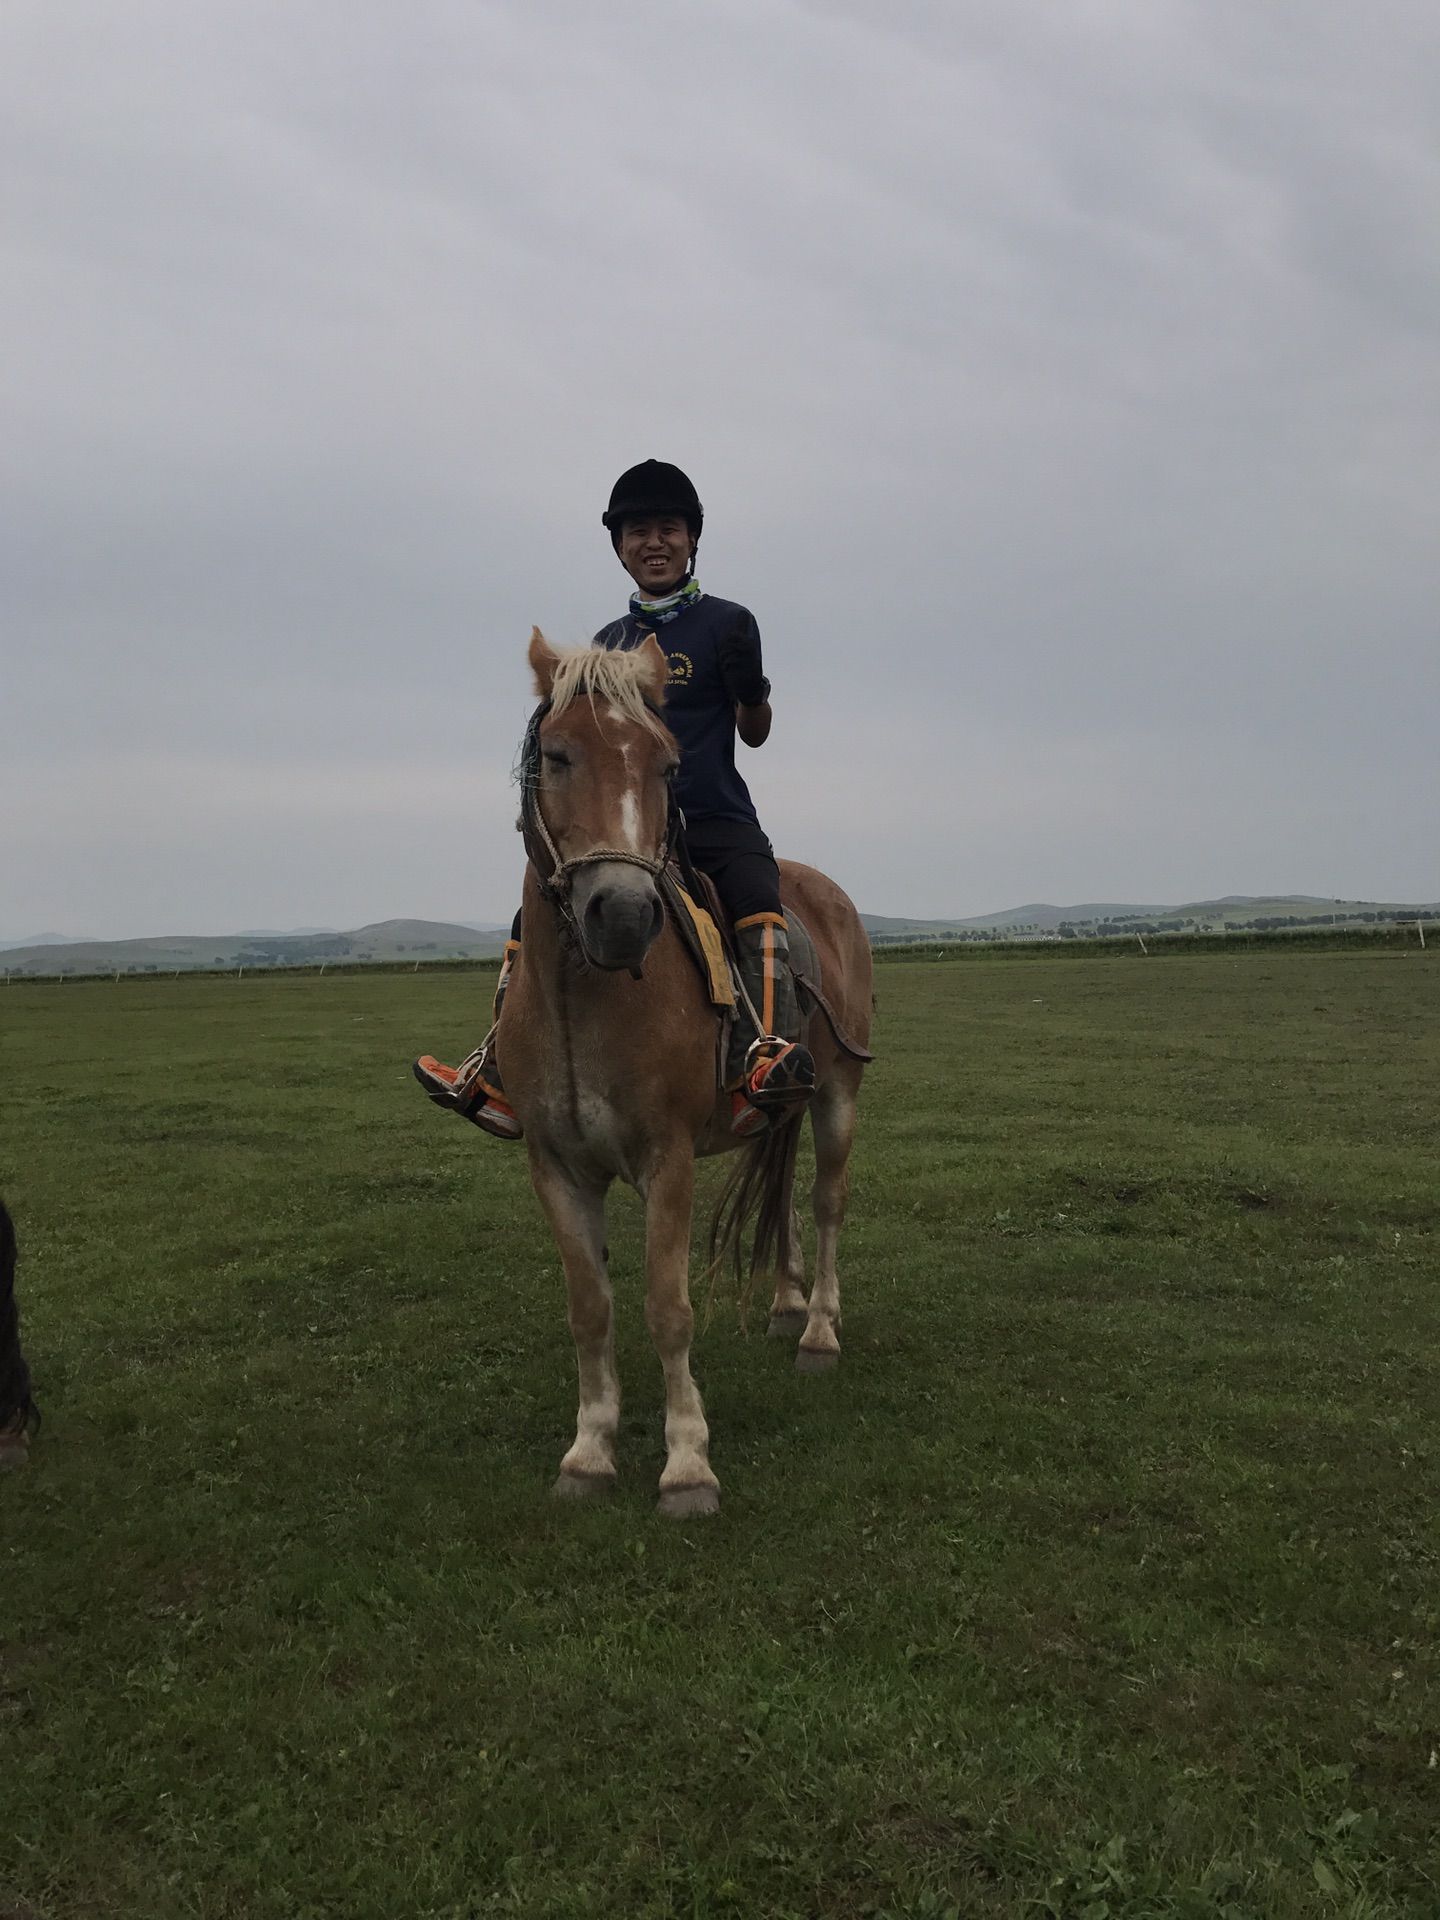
[711,948]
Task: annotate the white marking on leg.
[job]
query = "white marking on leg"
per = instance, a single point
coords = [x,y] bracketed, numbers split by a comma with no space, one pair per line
[671,1322]
[790,1283]
[577,1217]
[833,1118]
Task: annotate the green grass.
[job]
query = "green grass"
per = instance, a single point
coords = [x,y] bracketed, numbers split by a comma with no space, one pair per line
[1099,1582]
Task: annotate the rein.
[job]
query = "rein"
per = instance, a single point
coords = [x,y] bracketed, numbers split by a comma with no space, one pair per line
[540,847]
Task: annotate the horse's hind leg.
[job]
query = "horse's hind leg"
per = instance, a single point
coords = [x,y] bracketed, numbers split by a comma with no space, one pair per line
[577,1217]
[787,1309]
[833,1113]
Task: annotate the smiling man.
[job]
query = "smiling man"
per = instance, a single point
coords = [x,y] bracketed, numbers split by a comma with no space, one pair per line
[716,689]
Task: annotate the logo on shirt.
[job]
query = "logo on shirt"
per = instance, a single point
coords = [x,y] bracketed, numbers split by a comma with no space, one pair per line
[680,668]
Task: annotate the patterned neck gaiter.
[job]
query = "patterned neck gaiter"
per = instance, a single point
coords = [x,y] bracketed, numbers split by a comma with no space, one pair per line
[655,613]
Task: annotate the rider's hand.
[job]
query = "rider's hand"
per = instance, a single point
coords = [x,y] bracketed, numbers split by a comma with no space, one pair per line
[741,668]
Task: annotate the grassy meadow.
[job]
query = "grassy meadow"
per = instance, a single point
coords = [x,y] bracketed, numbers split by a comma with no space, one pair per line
[1099,1582]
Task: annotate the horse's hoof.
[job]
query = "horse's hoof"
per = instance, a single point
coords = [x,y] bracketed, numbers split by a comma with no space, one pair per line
[685,1503]
[583,1486]
[787,1325]
[14,1453]
[815,1360]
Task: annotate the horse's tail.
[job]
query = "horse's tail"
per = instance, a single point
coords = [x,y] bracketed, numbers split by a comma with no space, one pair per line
[759,1190]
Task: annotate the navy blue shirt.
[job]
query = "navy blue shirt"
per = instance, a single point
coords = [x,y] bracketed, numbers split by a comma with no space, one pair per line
[698,710]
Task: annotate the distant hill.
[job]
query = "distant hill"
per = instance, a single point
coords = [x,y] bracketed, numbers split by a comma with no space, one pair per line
[280,933]
[1040,920]
[41,940]
[384,940]
[1039,916]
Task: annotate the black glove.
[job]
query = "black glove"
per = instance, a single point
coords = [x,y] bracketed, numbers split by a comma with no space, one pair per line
[740,664]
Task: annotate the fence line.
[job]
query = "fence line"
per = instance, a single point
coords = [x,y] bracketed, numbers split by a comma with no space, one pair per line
[1388,935]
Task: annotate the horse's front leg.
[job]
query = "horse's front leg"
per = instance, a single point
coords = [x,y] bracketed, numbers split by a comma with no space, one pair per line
[577,1218]
[687,1486]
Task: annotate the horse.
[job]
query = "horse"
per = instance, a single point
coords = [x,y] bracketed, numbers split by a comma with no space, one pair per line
[606,1043]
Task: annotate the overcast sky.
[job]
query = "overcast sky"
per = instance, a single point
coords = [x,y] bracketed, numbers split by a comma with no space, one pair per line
[1062,384]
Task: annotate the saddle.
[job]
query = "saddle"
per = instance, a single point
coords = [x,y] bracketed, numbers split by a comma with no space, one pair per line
[694,907]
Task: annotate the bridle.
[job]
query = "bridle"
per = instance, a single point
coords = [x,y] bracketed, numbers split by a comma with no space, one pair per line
[557,876]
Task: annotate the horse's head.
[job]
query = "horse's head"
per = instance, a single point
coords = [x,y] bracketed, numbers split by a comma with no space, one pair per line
[599,816]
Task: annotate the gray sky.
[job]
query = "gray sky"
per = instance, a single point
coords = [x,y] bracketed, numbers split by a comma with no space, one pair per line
[1062,383]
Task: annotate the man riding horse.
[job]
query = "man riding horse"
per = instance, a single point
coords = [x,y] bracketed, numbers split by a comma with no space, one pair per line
[716,688]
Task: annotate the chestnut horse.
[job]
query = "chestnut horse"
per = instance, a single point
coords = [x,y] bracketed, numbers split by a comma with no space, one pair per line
[607,1047]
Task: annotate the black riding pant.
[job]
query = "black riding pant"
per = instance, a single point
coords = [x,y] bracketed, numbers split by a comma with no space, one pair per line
[741,862]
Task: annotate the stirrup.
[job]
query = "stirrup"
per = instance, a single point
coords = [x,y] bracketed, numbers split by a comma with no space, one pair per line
[778,1073]
[464,1091]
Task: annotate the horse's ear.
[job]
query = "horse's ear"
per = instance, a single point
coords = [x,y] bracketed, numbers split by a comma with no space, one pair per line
[654,669]
[543,662]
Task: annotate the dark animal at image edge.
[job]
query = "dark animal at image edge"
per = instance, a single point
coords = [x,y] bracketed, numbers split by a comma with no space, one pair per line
[17,1406]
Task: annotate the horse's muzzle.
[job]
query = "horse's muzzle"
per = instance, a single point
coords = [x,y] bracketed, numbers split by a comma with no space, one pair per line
[619,914]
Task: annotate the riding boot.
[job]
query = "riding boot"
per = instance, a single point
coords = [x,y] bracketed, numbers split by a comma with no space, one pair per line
[474,1088]
[778,1071]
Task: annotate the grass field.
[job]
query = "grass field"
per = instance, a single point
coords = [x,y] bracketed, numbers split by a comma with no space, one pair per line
[1100,1581]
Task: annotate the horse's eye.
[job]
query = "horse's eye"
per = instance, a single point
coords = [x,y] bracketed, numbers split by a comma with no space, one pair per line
[556,757]
[671,771]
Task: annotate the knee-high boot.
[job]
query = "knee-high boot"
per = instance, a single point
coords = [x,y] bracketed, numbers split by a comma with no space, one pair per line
[776,1068]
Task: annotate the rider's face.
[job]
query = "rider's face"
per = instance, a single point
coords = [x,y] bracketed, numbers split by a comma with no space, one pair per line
[656,551]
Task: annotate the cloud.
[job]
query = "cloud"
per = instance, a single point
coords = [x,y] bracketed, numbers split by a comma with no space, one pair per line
[1058,383]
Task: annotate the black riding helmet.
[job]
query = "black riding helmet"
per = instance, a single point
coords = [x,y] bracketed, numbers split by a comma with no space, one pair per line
[652,487]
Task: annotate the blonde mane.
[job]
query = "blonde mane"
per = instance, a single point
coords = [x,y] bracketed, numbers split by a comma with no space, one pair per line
[604,673]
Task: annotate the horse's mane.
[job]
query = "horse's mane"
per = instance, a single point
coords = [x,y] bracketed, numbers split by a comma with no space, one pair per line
[605,673]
